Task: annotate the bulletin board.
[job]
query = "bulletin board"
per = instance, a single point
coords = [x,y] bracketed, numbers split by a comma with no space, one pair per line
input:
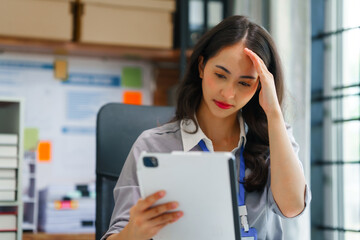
[60,116]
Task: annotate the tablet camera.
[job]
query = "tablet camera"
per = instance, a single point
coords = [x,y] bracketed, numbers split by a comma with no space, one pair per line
[150,161]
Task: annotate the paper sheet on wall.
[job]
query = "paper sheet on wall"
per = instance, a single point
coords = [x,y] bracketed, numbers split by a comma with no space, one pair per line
[65,112]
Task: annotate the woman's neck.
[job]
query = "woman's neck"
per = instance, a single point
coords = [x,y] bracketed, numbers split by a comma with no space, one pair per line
[223,132]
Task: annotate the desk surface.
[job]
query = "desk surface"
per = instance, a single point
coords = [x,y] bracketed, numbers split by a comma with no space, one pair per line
[46,236]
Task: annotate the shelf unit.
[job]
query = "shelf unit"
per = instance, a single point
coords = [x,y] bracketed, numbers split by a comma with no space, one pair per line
[11,117]
[26,45]
[45,236]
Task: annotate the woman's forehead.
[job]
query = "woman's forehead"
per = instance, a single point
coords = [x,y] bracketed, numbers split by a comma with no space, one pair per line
[232,56]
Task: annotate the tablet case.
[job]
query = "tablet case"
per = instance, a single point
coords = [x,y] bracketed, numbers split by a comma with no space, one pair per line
[205,186]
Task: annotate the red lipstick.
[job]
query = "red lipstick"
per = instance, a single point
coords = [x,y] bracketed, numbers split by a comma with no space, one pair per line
[222,105]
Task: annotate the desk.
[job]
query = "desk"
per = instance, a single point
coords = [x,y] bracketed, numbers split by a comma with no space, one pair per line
[46,236]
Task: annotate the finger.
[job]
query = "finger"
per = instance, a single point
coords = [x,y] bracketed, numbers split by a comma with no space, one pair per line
[258,69]
[158,210]
[253,55]
[257,61]
[150,200]
[167,218]
[260,66]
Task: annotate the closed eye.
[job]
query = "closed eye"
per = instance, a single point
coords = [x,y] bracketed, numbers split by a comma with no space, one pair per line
[244,84]
[220,75]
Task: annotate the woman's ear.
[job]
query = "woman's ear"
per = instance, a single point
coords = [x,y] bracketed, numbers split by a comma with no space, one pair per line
[201,67]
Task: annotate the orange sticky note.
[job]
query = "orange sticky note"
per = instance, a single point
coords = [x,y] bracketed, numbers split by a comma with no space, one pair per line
[44,151]
[131,97]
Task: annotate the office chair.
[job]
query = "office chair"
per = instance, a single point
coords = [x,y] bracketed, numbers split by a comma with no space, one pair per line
[117,127]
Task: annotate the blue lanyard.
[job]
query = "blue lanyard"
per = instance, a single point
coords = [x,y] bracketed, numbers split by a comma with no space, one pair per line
[241,194]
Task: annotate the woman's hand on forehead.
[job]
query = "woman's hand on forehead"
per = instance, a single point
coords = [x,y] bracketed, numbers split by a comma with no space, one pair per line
[267,97]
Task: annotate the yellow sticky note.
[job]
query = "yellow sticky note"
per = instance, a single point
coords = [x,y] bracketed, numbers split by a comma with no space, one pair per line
[61,69]
[44,151]
[131,97]
[31,138]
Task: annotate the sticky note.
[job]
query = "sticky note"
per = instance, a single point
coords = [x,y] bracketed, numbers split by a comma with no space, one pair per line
[44,151]
[131,77]
[31,138]
[131,97]
[61,69]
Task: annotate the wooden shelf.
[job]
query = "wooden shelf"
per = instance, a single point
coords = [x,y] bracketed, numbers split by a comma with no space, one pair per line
[24,45]
[46,236]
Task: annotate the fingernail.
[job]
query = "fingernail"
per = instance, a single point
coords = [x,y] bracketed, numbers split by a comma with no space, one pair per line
[179,214]
[161,193]
[174,205]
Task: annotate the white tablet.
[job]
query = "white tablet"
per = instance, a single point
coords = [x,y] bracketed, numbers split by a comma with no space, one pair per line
[205,186]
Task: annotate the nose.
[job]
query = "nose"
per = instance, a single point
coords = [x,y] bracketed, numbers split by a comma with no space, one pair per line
[228,91]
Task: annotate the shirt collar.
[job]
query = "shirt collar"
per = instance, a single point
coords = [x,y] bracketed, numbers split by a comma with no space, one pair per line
[190,140]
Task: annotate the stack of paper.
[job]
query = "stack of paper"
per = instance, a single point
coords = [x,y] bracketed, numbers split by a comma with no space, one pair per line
[8,166]
[8,139]
[67,209]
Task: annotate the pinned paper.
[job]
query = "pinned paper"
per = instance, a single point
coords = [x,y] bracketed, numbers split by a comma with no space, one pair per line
[44,151]
[31,138]
[61,69]
[131,97]
[131,77]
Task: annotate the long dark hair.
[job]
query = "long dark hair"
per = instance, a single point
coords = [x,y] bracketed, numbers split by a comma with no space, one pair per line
[231,31]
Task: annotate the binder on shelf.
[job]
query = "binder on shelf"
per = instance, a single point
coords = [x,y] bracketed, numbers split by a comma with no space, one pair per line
[8,139]
[8,221]
[8,184]
[7,173]
[6,195]
[8,162]
[8,151]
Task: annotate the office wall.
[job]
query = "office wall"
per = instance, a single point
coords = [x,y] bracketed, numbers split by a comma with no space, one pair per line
[64,112]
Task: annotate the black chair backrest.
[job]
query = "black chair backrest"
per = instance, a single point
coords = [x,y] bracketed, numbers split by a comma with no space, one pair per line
[117,127]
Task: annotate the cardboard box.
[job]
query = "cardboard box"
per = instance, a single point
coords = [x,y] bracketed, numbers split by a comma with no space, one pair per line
[137,23]
[43,19]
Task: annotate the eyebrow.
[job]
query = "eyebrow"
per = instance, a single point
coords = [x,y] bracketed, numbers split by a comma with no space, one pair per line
[227,71]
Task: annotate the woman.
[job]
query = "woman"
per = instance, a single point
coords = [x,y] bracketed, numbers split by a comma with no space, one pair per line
[230,99]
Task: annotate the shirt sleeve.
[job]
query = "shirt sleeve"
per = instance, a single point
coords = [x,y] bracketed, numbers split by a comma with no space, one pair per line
[126,193]
[272,204]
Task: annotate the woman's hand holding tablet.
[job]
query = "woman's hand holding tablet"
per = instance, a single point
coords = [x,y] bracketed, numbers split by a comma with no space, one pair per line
[146,220]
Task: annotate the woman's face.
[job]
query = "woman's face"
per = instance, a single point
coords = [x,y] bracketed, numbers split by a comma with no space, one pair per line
[229,81]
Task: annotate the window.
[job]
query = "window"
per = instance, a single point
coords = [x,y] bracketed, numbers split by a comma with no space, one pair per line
[336,119]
